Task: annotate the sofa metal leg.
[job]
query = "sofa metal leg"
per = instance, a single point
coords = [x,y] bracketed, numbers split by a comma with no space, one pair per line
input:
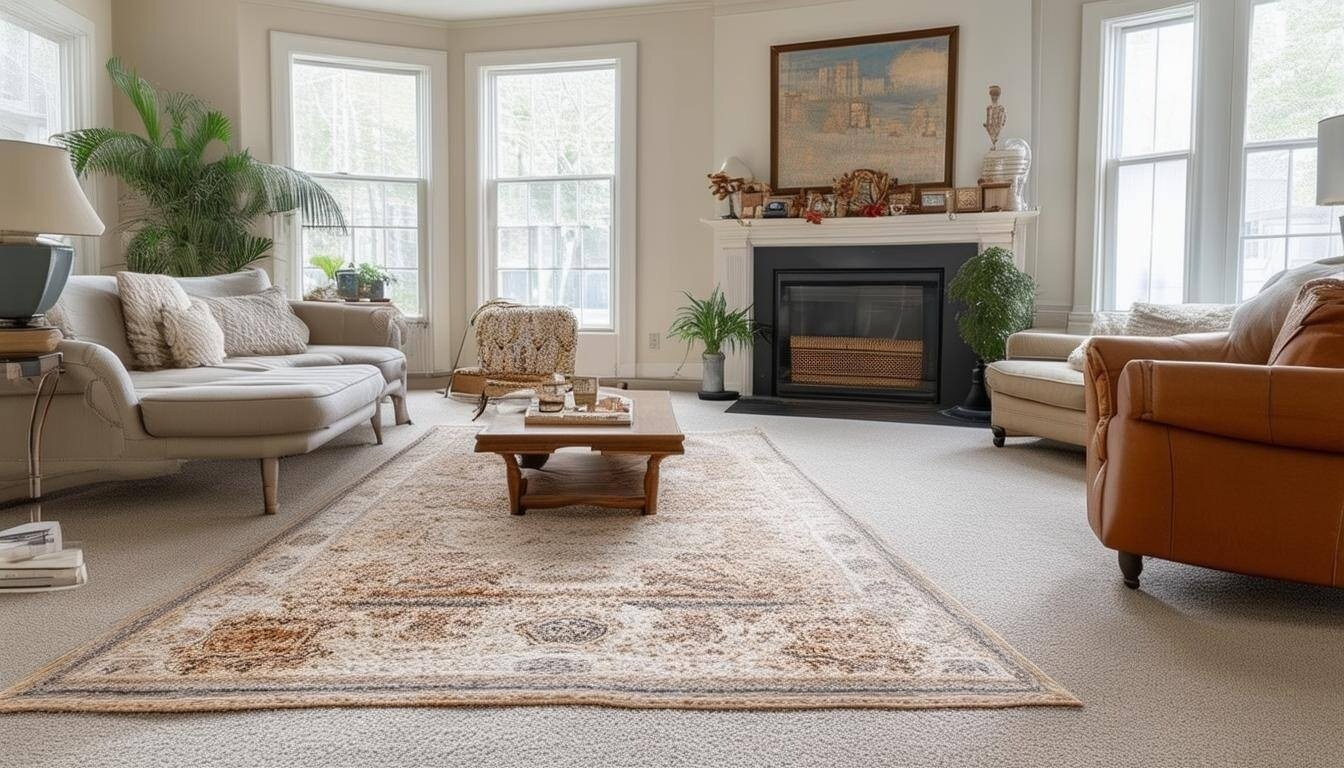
[1000,436]
[270,481]
[1131,566]
[399,409]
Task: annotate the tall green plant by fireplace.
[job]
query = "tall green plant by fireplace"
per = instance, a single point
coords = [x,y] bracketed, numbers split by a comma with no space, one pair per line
[997,298]
[199,213]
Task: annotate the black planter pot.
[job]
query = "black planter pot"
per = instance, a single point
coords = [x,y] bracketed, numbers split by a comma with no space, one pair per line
[976,406]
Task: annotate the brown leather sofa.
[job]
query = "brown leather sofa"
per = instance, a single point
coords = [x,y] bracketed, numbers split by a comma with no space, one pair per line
[1201,453]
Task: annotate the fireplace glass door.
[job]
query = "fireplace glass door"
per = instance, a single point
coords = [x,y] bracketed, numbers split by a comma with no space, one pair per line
[860,334]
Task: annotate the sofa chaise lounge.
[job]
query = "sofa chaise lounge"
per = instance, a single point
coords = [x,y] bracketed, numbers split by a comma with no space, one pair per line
[111,421]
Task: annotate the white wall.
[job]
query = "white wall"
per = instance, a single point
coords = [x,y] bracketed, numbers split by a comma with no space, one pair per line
[704,94]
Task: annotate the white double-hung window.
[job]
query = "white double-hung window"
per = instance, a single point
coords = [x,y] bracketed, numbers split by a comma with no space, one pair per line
[1150,100]
[551,200]
[356,117]
[1294,77]
[1197,125]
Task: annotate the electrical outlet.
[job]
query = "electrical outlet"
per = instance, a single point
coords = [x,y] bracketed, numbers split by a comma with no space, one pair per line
[655,341]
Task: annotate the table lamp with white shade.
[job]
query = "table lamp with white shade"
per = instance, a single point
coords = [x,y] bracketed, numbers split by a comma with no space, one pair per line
[39,196]
[1330,163]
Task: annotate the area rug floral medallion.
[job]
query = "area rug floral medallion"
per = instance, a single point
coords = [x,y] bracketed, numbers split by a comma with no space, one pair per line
[749,589]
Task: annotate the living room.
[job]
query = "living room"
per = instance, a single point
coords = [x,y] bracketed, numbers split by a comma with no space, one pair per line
[638,382]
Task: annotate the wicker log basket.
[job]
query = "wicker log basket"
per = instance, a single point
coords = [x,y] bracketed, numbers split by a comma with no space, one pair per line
[847,361]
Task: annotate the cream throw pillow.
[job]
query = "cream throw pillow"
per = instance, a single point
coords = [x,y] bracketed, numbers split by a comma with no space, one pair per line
[194,337]
[1144,319]
[143,300]
[260,324]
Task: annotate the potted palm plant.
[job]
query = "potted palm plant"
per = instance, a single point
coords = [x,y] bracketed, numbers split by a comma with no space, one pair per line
[998,300]
[710,322]
[198,215]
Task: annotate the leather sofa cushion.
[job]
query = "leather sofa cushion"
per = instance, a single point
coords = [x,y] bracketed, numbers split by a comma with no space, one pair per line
[390,361]
[1041,381]
[1313,334]
[1257,322]
[259,403]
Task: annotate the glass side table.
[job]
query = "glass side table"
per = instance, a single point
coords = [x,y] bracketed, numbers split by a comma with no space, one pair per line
[45,368]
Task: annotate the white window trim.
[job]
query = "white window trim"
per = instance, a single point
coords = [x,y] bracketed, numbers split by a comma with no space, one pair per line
[54,21]
[432,68]
[598,350]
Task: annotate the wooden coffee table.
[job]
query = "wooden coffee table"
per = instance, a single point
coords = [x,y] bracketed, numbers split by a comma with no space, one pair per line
[619,470]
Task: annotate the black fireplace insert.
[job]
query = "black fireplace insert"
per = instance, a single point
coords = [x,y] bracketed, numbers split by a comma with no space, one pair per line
[860,323]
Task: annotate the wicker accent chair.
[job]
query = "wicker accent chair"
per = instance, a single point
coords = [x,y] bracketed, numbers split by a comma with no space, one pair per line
[518,347]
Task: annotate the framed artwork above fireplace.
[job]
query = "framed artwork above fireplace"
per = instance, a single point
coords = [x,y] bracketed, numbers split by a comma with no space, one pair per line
[881,101]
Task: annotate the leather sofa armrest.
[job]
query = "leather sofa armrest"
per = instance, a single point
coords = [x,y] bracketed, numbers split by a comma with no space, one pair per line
[1107,357]
[361,325]
[1285,406]
[1042,345]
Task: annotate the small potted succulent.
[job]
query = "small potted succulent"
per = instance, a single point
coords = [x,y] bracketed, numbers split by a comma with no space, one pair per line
[998,300]
[373,281]
[710,322]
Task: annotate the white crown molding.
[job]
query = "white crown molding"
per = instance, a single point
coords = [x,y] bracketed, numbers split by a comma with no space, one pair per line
[356,13]
[719,7]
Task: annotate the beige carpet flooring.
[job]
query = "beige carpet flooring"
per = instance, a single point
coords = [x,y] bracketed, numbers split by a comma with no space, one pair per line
[1199,668]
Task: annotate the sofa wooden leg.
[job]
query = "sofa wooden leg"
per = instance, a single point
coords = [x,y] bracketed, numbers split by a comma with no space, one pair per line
[1000,436]
[377,422]
[399,409]
[270,482]
[1131,566]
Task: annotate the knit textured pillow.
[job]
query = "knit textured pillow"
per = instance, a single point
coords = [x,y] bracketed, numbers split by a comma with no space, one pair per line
[260,324]
[194,337]
[143,299]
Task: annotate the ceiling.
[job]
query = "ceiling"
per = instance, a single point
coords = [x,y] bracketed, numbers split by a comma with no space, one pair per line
[462,10]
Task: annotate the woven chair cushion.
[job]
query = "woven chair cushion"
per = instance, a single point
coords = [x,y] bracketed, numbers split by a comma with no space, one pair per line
[526,342]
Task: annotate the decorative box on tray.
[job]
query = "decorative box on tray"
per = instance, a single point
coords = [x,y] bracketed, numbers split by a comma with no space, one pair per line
[610,411]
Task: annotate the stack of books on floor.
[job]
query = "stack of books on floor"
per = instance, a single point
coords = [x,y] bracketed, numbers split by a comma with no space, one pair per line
[33,556]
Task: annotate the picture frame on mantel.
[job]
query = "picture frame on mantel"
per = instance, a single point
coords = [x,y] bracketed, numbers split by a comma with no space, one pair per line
[878,101]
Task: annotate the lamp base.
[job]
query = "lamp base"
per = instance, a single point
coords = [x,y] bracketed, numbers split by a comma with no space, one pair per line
[34,274]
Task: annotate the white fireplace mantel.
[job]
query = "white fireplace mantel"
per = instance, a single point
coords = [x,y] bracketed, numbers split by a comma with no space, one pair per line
[735,239]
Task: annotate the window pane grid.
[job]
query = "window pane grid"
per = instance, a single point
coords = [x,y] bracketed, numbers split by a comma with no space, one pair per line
[1148,161]
[551,188]
[30,85]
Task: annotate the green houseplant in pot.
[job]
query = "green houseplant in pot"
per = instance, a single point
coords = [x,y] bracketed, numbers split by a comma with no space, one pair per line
[201,197]
[710,322]
[373,281]
[998,300]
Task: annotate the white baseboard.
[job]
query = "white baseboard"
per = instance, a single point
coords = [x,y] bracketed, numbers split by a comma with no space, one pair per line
[691,370]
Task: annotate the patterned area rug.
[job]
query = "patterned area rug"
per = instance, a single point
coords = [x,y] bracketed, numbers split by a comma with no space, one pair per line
[749,589]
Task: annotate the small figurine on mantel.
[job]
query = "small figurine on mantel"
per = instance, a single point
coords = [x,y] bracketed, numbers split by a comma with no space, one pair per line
[995,116]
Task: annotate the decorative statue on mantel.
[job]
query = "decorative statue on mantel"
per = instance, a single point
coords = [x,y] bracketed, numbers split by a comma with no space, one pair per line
[1010,164]
[995,116]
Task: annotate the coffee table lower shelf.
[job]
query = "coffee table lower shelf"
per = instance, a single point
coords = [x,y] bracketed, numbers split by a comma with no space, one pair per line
[583,478]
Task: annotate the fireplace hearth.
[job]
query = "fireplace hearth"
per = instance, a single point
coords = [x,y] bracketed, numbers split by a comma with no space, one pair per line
[863,324]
